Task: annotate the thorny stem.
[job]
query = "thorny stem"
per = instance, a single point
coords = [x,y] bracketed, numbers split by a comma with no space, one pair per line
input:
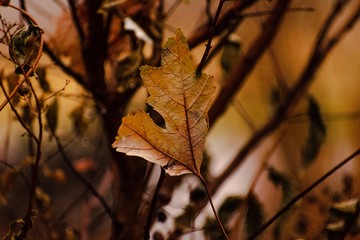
[302,194]
[153,205]
[208,44]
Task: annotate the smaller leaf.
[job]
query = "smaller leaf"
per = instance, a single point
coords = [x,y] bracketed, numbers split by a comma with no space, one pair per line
[80,123]
[43,198]
[44,83]
[7,182]
[57,175]
[83,165]
[231,53]
[198,194]
[335,228]
[24,48]
[15,229]
[184,221]
[316,134]
[52,115]
[211,229]
[254,215]
[283,181]
[347,207]
[229,207]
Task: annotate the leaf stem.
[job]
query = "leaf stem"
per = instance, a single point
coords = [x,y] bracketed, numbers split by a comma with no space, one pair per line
[213,207]
[153,205]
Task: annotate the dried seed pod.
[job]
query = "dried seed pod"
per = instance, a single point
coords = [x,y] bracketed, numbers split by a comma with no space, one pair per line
[24,48]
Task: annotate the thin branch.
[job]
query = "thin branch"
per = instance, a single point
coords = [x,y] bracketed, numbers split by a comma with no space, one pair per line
[172,8]
[232,26]
[27,74]
[34,167]
[246,64]
[292,97]
[271,12]
[208,44]
[208,12]
[23,124]
[203,32]
[75,18]
[79,79]
[16,170]
[153,205]
[302,194]
[84,181]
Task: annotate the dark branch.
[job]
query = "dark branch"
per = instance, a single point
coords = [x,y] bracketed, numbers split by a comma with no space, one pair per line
[76,20]
[238,76]
[292,97]
[208,44]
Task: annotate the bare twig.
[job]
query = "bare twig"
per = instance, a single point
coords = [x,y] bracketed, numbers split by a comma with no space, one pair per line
[84,181]
[28,219]
[294,94]
[23,124]
[302,194]
[208,44]
[26,181]
[203,32]
[246,64]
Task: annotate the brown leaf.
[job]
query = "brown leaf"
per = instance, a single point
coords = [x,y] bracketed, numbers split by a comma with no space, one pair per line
[83,165]
[183,101]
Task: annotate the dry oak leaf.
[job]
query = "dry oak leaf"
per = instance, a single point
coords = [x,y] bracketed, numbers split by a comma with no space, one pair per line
[183,100]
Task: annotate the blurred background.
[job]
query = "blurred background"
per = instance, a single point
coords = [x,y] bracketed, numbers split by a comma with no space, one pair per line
[321,130]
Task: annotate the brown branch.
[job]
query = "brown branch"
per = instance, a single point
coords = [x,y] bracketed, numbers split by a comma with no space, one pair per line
[208,44]
[28,219]
[294,94]
[237,77]
[23,124]
[85,182]
[78,78]
[75,19]
[94,49]
[203,32]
